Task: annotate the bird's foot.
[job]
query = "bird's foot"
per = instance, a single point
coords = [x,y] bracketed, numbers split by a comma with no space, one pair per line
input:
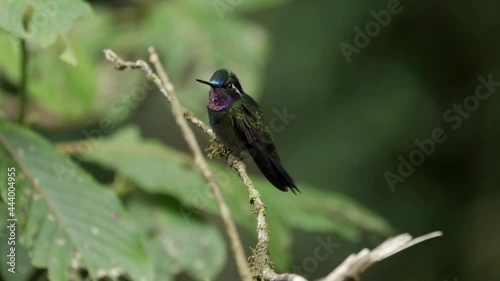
[217,149]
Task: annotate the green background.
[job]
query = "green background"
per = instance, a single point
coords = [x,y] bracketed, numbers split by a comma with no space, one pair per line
[352,120]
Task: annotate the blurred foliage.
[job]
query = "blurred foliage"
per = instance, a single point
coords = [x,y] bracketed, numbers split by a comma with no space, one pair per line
[176,243]
[42,22]
[66,215]
[159,169]
[199,42]
[202,43]
[351,122]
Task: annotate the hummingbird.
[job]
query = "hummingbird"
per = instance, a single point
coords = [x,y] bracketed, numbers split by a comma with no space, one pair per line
[239,124]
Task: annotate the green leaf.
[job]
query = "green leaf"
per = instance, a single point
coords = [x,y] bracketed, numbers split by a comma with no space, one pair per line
[115,94]
[203,43]
[68,92]
[159,169]
[48,20]
[68,55]
[318,210]
[228,6]
[64,89]
[156,168]
[175,242]
[65,94]
[11,16]
[66,219]
[9,58]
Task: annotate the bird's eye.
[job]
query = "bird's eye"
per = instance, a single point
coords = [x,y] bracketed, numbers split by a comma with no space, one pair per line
[230,86]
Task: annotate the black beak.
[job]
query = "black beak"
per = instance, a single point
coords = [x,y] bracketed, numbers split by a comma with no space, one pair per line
[205,82]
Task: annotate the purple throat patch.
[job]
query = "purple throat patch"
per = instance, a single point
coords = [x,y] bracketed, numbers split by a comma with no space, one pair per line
[216,101]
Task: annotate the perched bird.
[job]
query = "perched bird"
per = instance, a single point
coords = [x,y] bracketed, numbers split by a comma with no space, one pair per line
[239,124]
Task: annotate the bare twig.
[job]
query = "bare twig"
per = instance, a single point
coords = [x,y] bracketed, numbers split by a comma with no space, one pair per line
[168,91]
[355,264]
[272,276]
[262,266]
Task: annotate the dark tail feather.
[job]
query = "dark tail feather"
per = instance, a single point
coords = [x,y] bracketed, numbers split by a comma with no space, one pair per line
[273,170]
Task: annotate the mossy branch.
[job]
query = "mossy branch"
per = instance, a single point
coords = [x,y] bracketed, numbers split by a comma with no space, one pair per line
[261,264]
[180,114]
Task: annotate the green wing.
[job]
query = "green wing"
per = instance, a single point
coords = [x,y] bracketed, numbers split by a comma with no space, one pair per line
[250,126]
